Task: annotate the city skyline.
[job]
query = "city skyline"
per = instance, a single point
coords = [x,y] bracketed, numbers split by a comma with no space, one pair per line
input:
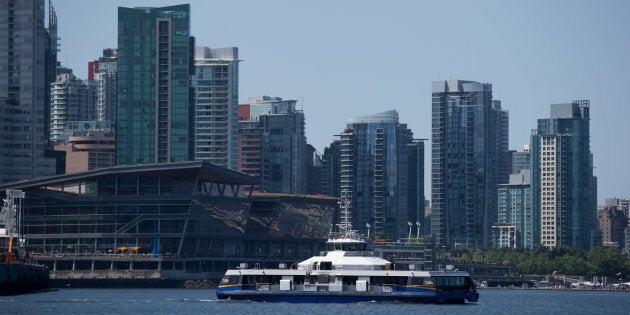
[364,58]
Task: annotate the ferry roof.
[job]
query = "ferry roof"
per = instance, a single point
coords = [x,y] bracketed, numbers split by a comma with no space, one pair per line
[340,258]
[391,273]
[346,241]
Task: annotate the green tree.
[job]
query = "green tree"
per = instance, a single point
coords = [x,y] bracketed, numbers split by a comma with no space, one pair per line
[571,265]
[606,262]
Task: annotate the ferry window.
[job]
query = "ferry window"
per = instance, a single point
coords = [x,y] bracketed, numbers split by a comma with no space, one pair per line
[326,265]
[401,280]
[416,281]
[323,278]
[377,280]
[451,282]
[257,279]
[263,279]
[350,280]
[230,280]
[235,279]
[311,279]
[395,280]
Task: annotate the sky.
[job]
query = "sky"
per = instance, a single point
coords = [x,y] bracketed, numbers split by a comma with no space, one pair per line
[343,59]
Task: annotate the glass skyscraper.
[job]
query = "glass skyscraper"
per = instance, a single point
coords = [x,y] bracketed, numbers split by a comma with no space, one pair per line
[466,148]
[331,169]
[28,64]
[521,160]
[514,202]
[374,170]
[500,119]
[415,179]
[272,145]
[155,65]
[283,147]
[52,47]
[563,187]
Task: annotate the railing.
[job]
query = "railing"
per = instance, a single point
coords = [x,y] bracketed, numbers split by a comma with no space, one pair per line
[39,256]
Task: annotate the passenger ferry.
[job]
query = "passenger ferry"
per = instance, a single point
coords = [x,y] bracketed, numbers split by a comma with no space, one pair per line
[345,273]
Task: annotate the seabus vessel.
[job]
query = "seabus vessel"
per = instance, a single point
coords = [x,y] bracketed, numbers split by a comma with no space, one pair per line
[346,272]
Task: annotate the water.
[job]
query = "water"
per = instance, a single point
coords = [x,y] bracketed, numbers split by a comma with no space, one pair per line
[204,301]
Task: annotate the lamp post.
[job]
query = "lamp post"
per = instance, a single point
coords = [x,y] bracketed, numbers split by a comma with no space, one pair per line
[418,225]
[410,225]
[368,227]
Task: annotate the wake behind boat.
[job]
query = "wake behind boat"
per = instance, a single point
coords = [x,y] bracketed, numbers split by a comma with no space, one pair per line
[345,273]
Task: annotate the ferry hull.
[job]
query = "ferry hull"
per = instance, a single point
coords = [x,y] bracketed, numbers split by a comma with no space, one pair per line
[20,278]
[346,297]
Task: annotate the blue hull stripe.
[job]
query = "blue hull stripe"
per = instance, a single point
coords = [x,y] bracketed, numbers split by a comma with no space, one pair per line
[346,297]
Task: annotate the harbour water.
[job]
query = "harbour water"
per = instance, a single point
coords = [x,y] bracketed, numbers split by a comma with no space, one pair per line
[204,301]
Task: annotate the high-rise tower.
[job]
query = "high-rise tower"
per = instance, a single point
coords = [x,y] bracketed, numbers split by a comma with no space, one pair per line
[51,50]
[374,173]
[283,145]
[24,43]
[515,210]
[155,65]
[563,186]
[500,119]
[466,148]
[216,106]
[105,77]
[72,100]
[272,145]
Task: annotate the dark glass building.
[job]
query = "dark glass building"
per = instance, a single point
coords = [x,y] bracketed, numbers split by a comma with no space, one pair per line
[272,143]
[155,64]
[52,47]
[28,60]
[374,173]
[501,119]
[415,176]
[331,169]
[468,135]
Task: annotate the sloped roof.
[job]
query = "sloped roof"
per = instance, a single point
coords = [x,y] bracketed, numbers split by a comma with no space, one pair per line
[182,170]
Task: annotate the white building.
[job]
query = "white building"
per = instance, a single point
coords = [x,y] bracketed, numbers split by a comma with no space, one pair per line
[216,106]
[72,100]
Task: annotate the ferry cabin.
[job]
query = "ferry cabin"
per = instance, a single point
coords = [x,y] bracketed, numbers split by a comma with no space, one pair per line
[336,281]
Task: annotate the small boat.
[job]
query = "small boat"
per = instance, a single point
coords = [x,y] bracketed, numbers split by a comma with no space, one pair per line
[17,273]
[346,273]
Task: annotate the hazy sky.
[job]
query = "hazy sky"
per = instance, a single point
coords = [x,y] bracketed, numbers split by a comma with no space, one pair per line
[344,59]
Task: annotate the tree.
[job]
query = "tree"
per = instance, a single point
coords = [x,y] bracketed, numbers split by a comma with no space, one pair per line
[570,265]
[607,262]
